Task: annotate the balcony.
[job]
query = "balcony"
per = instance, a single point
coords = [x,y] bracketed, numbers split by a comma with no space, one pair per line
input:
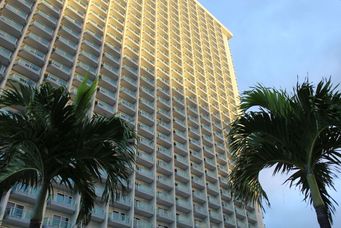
[27,5]
[123,202]
[144,174]
[212,188]
[22,79]
[144,191]
[127,107]
[225,194]
[182,205]
[17,217]
[129,82]
[164,215]
[164,140]
[180,124]
[5,55]
[2,71]
[181,161]
[252,217]
[146,130]
[183,221]
[165,198]
[60,70]
[11,26]
[42,29]
[164,182]
[164,153]
[164,126]
[24,193]
[199,196]
[27,68]
[164,167]
[142,224]
[144,209]
[200,211]
[164,114]
[86,69]
[52,8]
[180,148]
[106,95]
[198,182]
[104,108]
[89,58]
[62,204]
[80,79]
[209,163]
[145,159]
[215,216]
[182,189]
[228,207]
[49,222]
[148,81]
[211,175]
[114,60]
[240,212]
[55,80]
[98,214]
[119,220]
[182,175]
[146,117]
[229,220]
[50,20]
[8,40]
[213,201]
[180,136]
[131,71]
[108,82]
[146,144]
[147,105]
[63,56]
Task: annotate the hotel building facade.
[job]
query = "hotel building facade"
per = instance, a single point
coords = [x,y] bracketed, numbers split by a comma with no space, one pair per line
[165,66]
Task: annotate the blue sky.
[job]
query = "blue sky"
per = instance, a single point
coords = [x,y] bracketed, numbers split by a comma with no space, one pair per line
[274,43]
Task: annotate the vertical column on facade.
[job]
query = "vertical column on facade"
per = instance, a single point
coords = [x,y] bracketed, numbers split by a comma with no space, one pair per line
[15,19]
[208,105]
[198,182]
[180,131]
[217,107]
[221,78]
[124,18]
[165,138]
[144,199]
[98,16]
[199,75]
[147,103]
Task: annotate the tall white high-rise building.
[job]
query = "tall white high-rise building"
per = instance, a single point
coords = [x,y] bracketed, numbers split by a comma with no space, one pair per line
[165,65]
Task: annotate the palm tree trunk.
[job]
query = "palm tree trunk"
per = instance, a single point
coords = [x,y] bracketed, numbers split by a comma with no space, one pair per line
[319,205]
[38,210]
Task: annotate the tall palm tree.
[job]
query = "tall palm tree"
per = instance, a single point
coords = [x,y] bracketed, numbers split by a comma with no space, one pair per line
[298,134]
[50,139]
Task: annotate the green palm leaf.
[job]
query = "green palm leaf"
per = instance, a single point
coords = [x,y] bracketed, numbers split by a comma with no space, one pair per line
[297,134]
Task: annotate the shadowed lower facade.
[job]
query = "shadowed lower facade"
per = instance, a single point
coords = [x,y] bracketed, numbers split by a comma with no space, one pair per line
[166,67]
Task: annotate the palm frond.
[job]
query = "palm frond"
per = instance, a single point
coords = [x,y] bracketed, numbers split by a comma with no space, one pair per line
[82,101]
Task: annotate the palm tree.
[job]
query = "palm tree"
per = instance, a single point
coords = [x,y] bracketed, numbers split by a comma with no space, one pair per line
[297,134]
[50,139]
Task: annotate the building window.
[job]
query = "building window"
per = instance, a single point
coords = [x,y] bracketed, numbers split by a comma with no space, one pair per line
[60,221]
[14,210]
